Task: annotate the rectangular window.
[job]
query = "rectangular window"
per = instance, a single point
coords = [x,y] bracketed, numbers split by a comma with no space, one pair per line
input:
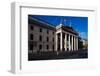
[40,38]
[47,47]
[53,47]
[40,29]
[31,36]
[47,39]
[30,46]
[40,47]
[53,32]
[53,39]
[47,31]
[31,27]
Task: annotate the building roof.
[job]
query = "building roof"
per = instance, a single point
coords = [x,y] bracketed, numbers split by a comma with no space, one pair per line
[41,23]
[67,29]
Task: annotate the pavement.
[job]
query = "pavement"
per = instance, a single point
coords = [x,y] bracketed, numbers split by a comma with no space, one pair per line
[52,55]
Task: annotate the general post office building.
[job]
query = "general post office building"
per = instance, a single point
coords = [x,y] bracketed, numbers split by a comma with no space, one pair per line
[43,36]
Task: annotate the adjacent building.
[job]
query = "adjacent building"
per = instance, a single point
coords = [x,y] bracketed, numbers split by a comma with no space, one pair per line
[43,36]
[85,44]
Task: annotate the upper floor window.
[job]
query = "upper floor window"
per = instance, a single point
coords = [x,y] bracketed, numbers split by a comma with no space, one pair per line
[53,32]
[47,31]
[40,29]
[53,39]
[40,38]
[32,27]
[47,39]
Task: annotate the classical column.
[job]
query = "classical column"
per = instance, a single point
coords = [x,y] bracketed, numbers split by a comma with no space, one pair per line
[72,42]
[77,42]
[61,41]
[65,42]
[56,42]
[69,42]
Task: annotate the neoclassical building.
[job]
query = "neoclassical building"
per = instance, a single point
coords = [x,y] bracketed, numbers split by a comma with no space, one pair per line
[43,36]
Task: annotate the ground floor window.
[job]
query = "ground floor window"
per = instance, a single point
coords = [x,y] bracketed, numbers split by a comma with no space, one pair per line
[40,47]
[47,47]
[53,47]
[30,46]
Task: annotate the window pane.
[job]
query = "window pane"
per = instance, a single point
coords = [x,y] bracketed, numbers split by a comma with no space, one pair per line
[53,47]
[40,38]
[53,32]
[47,47]
[40,29]
[30,46]
[40,47]
[47,31]
[31,27]
[47,39]
[53,39]
[31,36]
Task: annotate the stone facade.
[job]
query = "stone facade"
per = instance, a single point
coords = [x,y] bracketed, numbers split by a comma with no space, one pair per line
[45,37]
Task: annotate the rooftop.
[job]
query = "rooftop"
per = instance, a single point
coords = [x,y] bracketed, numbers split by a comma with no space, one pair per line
[50,26]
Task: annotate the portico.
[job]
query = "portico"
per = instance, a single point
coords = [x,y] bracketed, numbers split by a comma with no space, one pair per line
[66,41]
